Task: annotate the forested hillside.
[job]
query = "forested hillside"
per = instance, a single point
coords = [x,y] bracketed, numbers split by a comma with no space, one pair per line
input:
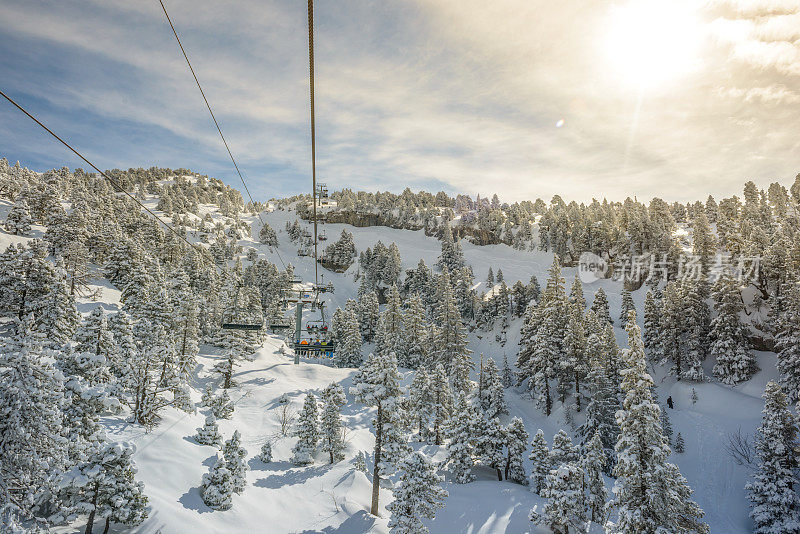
[485,378]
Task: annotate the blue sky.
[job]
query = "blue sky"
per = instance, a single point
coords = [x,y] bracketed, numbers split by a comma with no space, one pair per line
[432,94]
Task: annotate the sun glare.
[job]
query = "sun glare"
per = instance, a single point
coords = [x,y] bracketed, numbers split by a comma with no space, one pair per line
[651,42]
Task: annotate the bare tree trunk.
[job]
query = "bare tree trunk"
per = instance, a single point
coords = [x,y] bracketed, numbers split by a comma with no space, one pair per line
[108,522]
[376,476]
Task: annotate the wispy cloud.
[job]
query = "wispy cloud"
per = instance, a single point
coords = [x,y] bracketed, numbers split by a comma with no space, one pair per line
[428,93]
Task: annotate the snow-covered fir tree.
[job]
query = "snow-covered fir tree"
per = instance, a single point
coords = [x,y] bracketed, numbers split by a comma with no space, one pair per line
[600,306]
[680,445]
[360,462]
[209,434]
[222,406]
[217,487]
[441,402]
[563,450]
[377,383]
[266,452]
[32,395]
[234,455]
[104,486]
[775,504]
[18,220]
[348,350]
[415,334]
[307,432]
[603,400]
[490,440]
[506,374]
[788,344]
[451,258]
[493,400]
[651,334]
[331,429]
[388,337]
[419,395]
[593,464]
[729,346]
[565,507]
[418,495]
[461,442]
[451,335]
[516,444]
[650,494]
[543,339]
[540,456]
[368,314]
[627,304]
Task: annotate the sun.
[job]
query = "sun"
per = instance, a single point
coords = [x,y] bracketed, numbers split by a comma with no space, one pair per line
[652,42]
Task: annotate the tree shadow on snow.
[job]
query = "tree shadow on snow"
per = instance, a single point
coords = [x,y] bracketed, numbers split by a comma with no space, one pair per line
[191,500]
[357,523]
[290,478]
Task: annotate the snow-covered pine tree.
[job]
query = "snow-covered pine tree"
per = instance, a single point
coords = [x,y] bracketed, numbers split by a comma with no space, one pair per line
[603,401]
[565,505]
[368,314]
[540,456]
[451,258]
[360,462]
[451,336]
[490,440]
[234,455]
[461,370]
[626,305]
[217,487]
[680,445]
[209,434]
[493,400]
[441,401]
[331,428]
[104,485]
[507,375]
[593,464]
[788,344]
[734,361]
[574,367]
[563,450]
[348,352]
[775,504]
[516,444]
[543,338]
[650,493]
[600,307]
[418,495]
[415,334]
[18,220]
[461,442]
[419,394]
[651,333]
[31,394]
[267,235]
[377,383]
[222,406]
[307,432]
[696,324]
[266,452]
[388,337]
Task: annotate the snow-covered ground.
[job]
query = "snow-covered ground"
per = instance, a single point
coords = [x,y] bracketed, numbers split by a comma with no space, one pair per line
[323,498]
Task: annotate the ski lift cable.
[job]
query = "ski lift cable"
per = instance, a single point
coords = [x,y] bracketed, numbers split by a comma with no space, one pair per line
[224,142]
[313,135]
[113,182]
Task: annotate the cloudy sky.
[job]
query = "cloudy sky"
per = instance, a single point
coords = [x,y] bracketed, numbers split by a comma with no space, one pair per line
[523,98]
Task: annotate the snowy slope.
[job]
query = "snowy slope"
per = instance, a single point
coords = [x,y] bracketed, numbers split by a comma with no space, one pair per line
[322,498]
